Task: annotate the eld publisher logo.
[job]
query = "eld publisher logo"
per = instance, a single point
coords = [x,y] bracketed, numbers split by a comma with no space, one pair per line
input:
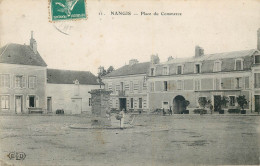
[16,155]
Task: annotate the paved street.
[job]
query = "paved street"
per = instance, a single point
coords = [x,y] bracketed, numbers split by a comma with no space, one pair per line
[155,140]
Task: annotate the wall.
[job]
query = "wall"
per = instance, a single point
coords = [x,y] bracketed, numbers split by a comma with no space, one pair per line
[25,70]
[61,95]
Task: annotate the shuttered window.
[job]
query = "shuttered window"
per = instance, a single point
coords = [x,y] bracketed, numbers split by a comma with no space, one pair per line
[257,80]
[4,80]
[5,100]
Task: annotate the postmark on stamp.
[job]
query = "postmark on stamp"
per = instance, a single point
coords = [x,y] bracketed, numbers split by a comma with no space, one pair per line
[68,9]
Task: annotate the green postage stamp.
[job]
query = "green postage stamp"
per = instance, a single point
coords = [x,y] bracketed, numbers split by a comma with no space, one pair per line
[68,9]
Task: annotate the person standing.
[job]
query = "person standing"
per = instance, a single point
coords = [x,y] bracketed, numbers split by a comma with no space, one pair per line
[122,120]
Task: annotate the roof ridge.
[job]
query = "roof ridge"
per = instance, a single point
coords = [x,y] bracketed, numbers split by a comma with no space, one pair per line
[70,70]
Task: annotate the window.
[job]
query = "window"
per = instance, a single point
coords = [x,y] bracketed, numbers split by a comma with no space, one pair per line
[32,82]
[140,103]
[20,82]
[179,69]
[238,83]
[257,59]
[165,105]
[179,85]
[257,80]
[136,85]
[232,100]
[140,86]
[197,84]
[152,86]
[132,103]
[5,80]
[247,82]
[165,70]
[121,86]
[31,101]
[152,72]
[110,87]
[131,86]
[217,66]
[239,64]
[5,102]
[197,68]
[89,102]
[165,86]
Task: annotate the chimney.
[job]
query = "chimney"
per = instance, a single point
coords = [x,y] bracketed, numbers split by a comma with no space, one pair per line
[133,61]
[33,43]
[155,59]
[258,39]
[199,51]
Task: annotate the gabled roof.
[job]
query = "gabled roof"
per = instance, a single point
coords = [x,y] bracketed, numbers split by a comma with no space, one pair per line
[56,76]
[138,68]
[216,56]
[20,54]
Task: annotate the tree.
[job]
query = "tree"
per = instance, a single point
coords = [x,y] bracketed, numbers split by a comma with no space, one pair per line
[185,103]
[242,101]
[210,106]
[202,102]
[223,102]
[110,69]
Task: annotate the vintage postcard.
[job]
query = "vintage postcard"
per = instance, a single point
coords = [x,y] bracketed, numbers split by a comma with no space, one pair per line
[129,82]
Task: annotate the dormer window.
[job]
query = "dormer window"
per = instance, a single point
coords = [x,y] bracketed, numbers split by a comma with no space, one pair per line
[197,68]
[257,59]
[217,66]
[179,69]
[239,64]
[165,70]
[152,73]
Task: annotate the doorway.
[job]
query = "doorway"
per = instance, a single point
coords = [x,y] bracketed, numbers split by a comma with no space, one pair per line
[217,103]
[18,104]
[49,104]
[122,103]
[178,104]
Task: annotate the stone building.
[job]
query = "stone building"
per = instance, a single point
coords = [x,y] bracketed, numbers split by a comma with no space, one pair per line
[22,78]
[129,86]
[210,76]
[68,90]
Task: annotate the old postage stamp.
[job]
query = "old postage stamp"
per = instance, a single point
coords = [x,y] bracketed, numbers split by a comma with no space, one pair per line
[68,9]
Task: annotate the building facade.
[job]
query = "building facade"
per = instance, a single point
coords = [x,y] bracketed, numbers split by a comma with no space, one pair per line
[129,86]
[22,78]
[211,76]
[154,85]
[68,90]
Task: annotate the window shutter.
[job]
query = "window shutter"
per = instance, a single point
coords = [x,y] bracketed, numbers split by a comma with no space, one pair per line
[23,82]
[14,82]
[35,82]
[37,102]
[27,101]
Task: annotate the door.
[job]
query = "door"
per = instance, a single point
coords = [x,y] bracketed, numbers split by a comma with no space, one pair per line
[49,104]
[18,104]
[122,103]
[257,103]
[76,106]
[217,103]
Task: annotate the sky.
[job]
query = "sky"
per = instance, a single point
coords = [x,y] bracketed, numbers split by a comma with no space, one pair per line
[104,40]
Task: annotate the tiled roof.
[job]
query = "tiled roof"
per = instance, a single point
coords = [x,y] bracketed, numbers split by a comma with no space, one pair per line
[56,76]
[20,54]
[138,68]
[225,55]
